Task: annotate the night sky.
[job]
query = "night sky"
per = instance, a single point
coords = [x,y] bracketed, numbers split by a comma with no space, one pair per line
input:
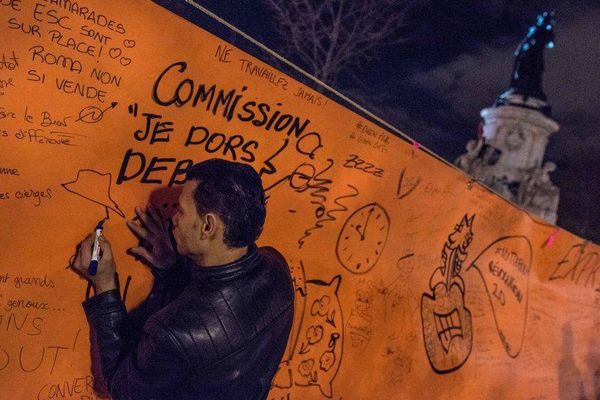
[457,60]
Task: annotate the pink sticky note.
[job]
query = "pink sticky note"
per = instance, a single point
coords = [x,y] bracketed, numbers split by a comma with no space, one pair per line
[552,238]
[415,147]
[479,131]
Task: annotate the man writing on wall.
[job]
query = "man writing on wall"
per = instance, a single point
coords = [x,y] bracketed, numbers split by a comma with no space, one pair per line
[216,323]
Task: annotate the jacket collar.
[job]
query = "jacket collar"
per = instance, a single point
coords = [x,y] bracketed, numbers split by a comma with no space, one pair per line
[227,271]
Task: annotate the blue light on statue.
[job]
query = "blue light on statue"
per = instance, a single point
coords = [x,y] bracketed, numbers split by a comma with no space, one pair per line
[550,45]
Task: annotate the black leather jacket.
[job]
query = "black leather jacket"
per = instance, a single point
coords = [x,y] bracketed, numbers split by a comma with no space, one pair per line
[221,337]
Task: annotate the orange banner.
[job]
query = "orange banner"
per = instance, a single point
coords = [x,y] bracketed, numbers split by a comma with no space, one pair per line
[411,281]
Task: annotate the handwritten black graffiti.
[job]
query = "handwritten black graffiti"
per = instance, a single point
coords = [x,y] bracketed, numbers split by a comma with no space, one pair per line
[93,114]
[446,321]
[504,266]
[306,177]
[95,187]
[355,162]
[233,103]
[269,168]
[304,172]
[9,62]
[327,215]
[579,265]
[406,188]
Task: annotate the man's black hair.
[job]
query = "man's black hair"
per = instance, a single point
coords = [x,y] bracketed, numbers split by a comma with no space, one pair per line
[234,192]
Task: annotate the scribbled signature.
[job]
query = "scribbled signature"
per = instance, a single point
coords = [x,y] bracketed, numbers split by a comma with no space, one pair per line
[93,114]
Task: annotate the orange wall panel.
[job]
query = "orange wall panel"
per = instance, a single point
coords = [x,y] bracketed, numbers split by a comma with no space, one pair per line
[411,282]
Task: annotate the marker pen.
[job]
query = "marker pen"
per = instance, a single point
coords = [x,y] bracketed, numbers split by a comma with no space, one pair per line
[96,250]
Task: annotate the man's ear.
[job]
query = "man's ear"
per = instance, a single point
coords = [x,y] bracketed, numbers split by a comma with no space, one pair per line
[210,224]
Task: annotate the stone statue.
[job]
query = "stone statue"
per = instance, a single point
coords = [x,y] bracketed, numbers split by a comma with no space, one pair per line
[537,189]
[479,168]
[465,161]
[529,62]
[517,129]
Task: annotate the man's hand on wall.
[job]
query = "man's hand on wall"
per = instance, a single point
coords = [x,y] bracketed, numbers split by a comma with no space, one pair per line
[156,247]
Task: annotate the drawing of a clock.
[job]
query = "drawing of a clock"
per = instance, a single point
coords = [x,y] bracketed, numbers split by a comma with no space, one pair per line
[363,238]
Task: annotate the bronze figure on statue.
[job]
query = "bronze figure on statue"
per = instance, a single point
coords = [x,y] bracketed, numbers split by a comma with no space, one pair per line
[527,72]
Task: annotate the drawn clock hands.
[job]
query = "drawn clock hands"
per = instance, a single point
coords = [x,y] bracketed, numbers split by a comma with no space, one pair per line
[363,238]
[364,228]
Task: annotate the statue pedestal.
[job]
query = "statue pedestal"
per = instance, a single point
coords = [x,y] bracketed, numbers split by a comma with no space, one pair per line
[510,156]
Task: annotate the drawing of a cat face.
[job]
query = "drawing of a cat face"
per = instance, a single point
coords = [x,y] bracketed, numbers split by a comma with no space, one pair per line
[317,354]
[319,350]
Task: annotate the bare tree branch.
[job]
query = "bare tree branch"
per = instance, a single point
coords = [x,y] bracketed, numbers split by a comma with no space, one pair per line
[329,36]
